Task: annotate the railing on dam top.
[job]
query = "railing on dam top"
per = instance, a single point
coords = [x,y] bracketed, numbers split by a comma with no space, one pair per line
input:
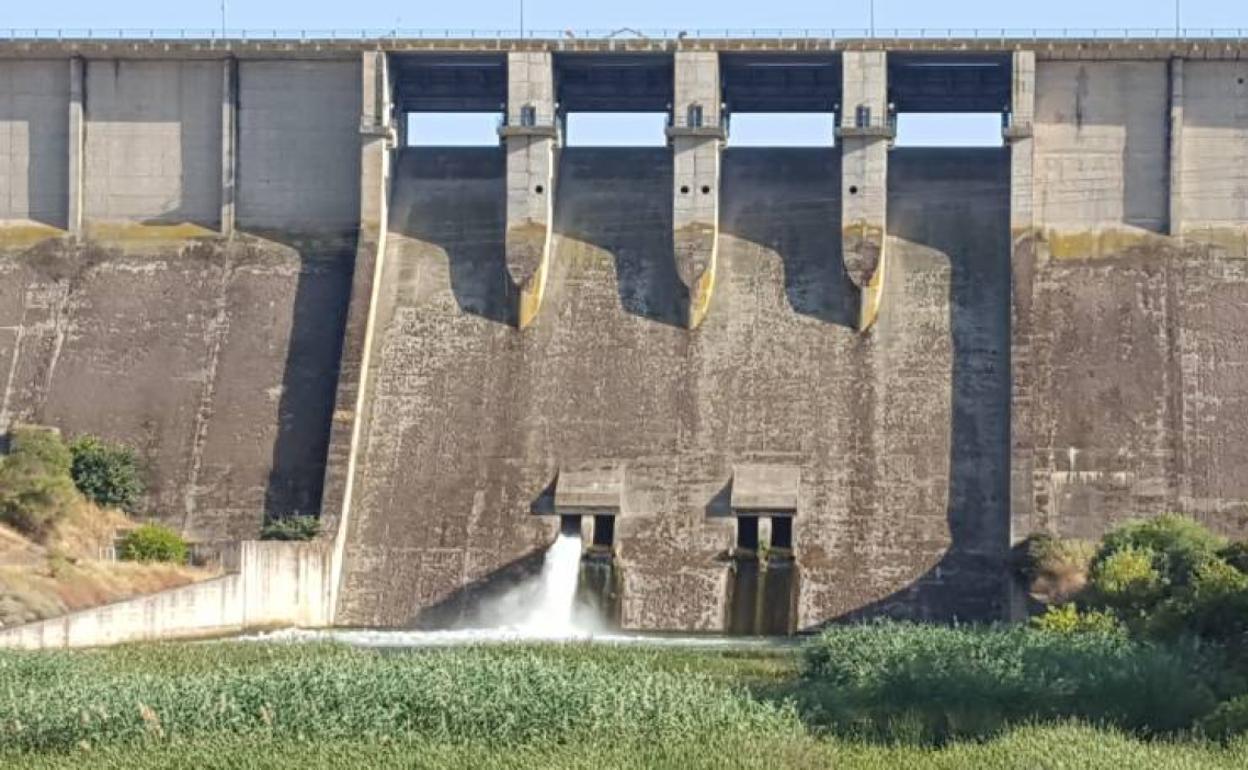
[628,33]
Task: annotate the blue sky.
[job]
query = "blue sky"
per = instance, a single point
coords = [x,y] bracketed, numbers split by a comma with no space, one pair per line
[561,14]
[646,14]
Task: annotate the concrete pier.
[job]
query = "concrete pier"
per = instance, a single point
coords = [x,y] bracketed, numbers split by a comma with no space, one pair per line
[697,136]
[864,133]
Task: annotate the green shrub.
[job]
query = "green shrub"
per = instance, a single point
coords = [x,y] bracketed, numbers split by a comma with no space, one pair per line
[934,683]
[1229,720]
[1236,555]
[1179,545]
[35,487]
[153,542]
[1127,580]
[1215,603]
[107,474]
[1068,619]
[293,527]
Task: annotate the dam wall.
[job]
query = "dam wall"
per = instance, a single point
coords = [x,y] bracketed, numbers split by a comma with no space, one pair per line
[869,369]
[214,356]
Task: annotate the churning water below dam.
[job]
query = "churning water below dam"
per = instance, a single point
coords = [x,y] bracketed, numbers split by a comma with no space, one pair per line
[541,609]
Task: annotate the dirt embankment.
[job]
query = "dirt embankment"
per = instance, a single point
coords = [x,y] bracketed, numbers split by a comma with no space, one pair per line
[72,571]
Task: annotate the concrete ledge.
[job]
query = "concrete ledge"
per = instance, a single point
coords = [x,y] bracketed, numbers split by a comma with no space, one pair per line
[880,132]
[765,487]
[596,487]
[543,131]
[712,132]
[278,584]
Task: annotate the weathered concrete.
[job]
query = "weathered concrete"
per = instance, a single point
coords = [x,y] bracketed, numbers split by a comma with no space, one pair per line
[34,130]
[446,367]
[278,584]
[1127,363]
[296,121]
[1102,156]
[1213,202]
[153,144]
[216,361]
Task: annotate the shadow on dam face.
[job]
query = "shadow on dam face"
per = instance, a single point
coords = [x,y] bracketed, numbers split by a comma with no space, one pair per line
[788,200]
[619,200]
[454,199]
[955,202]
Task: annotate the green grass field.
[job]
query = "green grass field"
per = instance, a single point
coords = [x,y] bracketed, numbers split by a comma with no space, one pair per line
[224,705]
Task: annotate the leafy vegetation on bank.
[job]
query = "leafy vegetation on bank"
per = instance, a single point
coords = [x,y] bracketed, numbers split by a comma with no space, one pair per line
[107,473]
[291,527]
[36,490]
[153,542]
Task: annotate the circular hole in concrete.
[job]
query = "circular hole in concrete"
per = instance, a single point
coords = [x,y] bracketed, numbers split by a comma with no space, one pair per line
[853,189]
[539,189]
[1240,81]
[706,190]
[684,189]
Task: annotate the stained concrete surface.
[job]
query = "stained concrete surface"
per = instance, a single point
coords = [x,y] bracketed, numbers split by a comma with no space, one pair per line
[471,421]
[217,362]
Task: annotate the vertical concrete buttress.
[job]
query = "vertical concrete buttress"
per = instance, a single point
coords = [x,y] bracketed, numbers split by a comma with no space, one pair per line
[531,136]
[77,142]
[377,141]
[229,142]
[865,134]
[1019,136]
[1175,138]
[697,136]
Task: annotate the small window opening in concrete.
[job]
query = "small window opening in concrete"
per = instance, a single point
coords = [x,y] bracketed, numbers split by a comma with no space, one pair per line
[604,530]
[782,532]
[747,533]
[853,189]
[539,189]
[949,129]
[782,129]
[862,116]
[570,524]
[684,189]
[617,129]
[706,189]
[453,129]
[695,116]
[528,116]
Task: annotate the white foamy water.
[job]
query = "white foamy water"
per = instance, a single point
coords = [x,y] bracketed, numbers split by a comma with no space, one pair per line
[553,610]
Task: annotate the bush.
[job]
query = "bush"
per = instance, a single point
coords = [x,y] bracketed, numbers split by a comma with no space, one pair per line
[107,474]
[293,527]
[1215,604]
[1127,581]
[1228,721]
[35,487]
[1179,545]
[935,682]
[1068,619]
[1236,555]
[153,542]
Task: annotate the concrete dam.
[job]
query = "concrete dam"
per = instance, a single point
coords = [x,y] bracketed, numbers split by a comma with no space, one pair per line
[771,388]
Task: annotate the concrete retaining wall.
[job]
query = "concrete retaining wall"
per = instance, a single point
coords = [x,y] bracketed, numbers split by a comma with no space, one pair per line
[278,584]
